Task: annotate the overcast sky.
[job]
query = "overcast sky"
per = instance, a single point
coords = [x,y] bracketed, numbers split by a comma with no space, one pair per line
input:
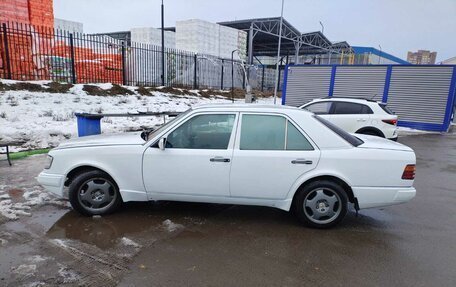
[396,25]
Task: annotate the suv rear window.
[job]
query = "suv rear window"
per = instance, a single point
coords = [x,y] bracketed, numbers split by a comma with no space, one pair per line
[354,141]
[386,108]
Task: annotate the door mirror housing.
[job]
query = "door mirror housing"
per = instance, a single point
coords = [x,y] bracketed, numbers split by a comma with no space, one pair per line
[162,143]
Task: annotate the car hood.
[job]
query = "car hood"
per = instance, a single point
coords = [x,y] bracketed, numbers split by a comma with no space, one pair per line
[104,140]
[375,142]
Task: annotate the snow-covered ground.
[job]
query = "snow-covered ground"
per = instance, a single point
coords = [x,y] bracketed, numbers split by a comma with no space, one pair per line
[45,119]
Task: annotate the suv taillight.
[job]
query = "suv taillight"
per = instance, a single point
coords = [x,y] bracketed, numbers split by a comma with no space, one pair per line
[409,172]
[390,122]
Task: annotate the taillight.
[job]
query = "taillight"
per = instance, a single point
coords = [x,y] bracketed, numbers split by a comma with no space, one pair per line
[409,172]
[390,122]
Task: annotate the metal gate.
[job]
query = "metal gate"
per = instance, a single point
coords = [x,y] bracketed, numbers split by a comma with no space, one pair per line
[422,96]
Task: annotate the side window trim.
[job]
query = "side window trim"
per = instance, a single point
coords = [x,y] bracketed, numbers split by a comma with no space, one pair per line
[231,142]
[287,119]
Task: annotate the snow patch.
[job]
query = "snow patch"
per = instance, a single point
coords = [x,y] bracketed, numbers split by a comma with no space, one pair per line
[34,196]
[36,259]
[46,119]
[24,270]
[171,226]
[128,242]
[3,242]
[68,275]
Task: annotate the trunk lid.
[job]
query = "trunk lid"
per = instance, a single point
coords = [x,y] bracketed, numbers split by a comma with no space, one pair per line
[374,142]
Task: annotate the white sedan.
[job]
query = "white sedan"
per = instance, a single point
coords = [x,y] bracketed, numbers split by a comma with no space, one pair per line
[273,156]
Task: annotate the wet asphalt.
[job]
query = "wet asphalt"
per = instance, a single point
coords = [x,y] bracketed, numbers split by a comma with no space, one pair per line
[187,244]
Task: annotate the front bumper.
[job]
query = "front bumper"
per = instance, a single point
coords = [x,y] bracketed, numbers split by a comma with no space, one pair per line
[382,196]
[52,182]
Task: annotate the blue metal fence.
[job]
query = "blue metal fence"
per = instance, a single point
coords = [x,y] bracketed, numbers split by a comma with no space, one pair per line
[417,93]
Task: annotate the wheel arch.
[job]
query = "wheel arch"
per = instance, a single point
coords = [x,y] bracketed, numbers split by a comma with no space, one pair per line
[75,171]
[370,128]
[347,188]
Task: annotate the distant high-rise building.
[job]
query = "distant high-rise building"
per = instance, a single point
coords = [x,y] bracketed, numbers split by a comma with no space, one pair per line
[422,57]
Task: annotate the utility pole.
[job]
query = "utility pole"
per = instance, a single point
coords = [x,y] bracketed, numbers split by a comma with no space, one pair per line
[278,57]
[163,43]
[232,74]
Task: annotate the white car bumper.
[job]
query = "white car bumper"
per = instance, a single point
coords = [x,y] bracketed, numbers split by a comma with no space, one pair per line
[382,196]
[52,182]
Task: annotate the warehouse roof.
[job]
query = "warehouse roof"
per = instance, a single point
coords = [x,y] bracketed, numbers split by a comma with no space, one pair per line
[266,37]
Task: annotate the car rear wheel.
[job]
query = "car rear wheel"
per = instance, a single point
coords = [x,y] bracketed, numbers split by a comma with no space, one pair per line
[94,193]
[321,204]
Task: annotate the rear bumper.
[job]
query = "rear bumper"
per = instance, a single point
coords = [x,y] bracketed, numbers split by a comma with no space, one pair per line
[52,182]
[382,196]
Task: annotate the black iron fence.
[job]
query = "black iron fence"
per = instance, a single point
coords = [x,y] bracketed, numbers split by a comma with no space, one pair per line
[40,53]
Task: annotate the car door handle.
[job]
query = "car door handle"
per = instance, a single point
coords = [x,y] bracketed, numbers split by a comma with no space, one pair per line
[301,161]
[219,159]
[361,120]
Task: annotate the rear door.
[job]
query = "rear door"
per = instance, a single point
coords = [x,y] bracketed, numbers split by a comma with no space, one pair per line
[350,116]
[271,153]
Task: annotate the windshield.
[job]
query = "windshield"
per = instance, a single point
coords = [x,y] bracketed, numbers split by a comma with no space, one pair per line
[153,133]
[343,134]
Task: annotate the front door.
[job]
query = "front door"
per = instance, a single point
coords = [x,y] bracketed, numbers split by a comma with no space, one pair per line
[196,160]
[270,155]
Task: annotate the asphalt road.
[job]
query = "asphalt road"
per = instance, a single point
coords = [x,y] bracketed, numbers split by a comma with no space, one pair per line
[182,244]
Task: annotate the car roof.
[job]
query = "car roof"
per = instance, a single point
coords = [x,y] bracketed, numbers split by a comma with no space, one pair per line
[248,107]
[345,99]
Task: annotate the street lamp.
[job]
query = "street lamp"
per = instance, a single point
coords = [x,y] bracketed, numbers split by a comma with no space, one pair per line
[322,28]
[278,56]
[232,74]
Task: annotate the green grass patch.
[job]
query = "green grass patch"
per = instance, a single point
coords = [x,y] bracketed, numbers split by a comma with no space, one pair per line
[23,154]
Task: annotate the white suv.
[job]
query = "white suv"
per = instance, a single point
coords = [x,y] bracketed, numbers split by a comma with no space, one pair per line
[357,115]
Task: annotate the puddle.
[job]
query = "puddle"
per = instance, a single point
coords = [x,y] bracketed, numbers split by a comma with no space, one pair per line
[144,221]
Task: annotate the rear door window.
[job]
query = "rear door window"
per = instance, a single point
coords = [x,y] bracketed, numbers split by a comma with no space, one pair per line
[346,108]
[271,132]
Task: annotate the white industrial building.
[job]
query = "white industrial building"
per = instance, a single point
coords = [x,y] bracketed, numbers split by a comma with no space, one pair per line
[152,36]
[204,37]
[67,25]
[197,36]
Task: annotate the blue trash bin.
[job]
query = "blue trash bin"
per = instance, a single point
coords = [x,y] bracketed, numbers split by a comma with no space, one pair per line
[88,124]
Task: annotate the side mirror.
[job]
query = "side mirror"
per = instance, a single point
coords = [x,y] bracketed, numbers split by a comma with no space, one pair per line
[162,143]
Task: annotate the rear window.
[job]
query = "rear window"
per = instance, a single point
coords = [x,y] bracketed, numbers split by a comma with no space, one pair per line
[386,108]
[354,141]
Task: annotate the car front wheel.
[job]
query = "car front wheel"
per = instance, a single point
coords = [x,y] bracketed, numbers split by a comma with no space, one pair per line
[94,193]
[321,204]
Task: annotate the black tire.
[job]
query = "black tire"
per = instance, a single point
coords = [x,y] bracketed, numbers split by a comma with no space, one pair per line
[94,193]
[313,208]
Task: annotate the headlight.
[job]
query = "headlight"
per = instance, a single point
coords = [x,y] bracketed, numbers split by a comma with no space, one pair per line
[48,163]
